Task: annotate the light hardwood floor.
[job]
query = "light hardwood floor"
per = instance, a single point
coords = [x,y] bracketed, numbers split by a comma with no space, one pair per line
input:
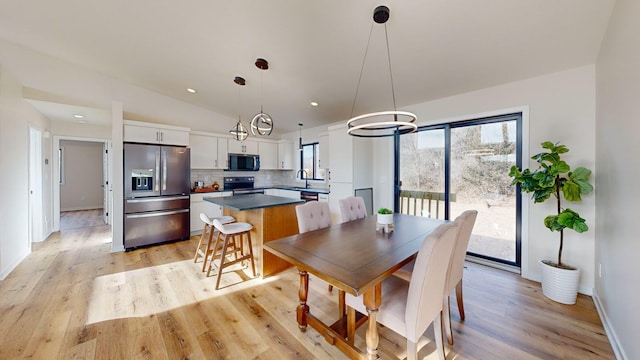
[73,299]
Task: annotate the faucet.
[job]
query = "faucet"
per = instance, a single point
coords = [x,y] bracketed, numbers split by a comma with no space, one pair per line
[306,177]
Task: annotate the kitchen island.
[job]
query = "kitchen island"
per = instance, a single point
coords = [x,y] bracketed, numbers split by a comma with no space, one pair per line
[272,217]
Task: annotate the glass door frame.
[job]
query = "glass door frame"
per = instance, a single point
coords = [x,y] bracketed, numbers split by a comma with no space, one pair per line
[518,118]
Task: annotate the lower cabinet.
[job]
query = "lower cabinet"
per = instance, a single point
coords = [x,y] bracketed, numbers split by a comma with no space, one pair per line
[198,205]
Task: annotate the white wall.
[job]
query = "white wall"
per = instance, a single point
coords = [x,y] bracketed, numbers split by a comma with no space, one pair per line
[82,166]
[15,117]
[617,248]
[561,108]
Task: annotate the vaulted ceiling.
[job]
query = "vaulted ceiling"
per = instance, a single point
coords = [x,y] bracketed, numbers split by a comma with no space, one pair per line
[315,49]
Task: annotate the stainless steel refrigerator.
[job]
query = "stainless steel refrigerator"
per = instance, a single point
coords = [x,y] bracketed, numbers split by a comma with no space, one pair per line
[156,194]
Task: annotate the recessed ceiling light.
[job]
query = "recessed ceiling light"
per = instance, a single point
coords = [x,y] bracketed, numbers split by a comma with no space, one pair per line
[314,104]
[193,91]
[78,116]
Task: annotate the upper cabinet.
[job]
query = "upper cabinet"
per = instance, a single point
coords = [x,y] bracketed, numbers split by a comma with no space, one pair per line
[149,133]
[268,152]
[206,151]
[323,158]
[243,147]
[285,155]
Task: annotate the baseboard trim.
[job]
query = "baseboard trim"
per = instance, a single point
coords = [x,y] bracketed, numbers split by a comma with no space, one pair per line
[80,208]
[611,334]
[493,264]
[6,271]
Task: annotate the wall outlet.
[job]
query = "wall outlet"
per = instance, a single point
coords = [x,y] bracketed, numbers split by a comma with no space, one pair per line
[83,198]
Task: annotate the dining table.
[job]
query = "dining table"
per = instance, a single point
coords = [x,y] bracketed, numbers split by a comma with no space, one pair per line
[355,257]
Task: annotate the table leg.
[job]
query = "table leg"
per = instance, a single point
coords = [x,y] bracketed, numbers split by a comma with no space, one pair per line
[372,300]
[303,308]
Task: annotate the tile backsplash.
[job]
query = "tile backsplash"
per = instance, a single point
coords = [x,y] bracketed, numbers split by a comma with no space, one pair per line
[263,178]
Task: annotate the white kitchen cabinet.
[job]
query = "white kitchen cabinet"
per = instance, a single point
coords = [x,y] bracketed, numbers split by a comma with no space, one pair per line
[272,192]
[290,194]
[223,153]
[323,156]
[323,197]
[198,205]
[204,151]
[285,155]
[142,132]
[243,147]
[268,155]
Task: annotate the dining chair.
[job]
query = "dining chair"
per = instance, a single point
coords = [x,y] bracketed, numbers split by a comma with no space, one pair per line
[466,220]
[205,248]
[352,208]
[314,215]
[408,308]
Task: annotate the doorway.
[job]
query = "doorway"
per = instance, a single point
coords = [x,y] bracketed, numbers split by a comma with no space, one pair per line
[446,169]
[82,189]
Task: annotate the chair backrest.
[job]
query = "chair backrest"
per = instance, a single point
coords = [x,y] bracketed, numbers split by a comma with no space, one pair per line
[313,215]
[205,219]
[218,225]
[465,221]
[352,208]
[427,286]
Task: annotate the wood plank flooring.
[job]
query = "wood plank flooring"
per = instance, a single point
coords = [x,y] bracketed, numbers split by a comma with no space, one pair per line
[73,299]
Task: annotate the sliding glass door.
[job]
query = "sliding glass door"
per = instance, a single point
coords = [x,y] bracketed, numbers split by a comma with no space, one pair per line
[447,169]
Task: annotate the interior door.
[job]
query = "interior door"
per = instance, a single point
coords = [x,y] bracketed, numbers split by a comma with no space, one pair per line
[106,187]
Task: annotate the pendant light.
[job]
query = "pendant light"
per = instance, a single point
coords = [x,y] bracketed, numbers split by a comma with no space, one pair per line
[239,131]
[262,124]
[300,138]
[382,123]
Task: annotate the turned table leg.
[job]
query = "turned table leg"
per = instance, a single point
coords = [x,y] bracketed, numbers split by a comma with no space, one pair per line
[303,308]
[372,300]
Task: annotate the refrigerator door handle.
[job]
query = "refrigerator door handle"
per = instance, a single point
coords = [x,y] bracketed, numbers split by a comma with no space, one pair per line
[154,214]
[164,198]
[164,171]
[156,176]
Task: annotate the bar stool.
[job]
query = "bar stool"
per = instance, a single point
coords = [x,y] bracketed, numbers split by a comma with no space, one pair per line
[226,233]
[208,232]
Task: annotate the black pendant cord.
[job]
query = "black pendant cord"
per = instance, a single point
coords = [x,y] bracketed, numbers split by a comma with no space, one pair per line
[393,92]
[364,60]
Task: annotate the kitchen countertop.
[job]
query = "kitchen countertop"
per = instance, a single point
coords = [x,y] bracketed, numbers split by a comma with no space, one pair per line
[252,201]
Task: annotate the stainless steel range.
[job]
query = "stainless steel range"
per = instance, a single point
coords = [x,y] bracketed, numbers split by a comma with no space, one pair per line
[241,185]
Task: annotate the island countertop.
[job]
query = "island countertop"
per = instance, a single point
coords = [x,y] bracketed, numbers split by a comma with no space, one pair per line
[251,201]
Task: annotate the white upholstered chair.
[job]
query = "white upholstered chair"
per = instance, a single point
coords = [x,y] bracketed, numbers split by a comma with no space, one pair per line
[466,220]
[408,308]
[313,215]
[352,208]
[205,244]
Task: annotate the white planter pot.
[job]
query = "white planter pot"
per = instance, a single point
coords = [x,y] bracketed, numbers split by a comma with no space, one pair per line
[558,284]
[385,219]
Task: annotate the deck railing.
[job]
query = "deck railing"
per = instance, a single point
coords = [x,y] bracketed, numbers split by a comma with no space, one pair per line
[423,203]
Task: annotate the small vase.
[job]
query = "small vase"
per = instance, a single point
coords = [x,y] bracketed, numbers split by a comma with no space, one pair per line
[386,220]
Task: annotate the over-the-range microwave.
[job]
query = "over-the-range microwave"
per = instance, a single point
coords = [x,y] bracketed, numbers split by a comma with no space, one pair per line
[244,162]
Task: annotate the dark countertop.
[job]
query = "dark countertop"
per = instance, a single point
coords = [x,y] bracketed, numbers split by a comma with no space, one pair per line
[251,201]
[299,188]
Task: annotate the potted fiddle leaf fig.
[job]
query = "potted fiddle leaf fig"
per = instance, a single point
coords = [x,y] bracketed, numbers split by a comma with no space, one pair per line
[553,179]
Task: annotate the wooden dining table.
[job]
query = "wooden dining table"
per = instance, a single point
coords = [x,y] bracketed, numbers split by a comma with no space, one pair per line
[354,257]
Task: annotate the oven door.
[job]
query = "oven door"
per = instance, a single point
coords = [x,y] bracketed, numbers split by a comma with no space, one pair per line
[247,191]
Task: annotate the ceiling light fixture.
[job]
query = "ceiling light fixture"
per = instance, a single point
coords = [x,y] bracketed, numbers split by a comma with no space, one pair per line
[239,131]
[314,104]
[382,123]
[300,138]
[261,124]
[193,91]
[78,116]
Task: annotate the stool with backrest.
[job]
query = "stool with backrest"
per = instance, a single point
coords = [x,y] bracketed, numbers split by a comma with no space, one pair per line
[408,308]
[465,221]
[205,248]
[230,237]
[352,208]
